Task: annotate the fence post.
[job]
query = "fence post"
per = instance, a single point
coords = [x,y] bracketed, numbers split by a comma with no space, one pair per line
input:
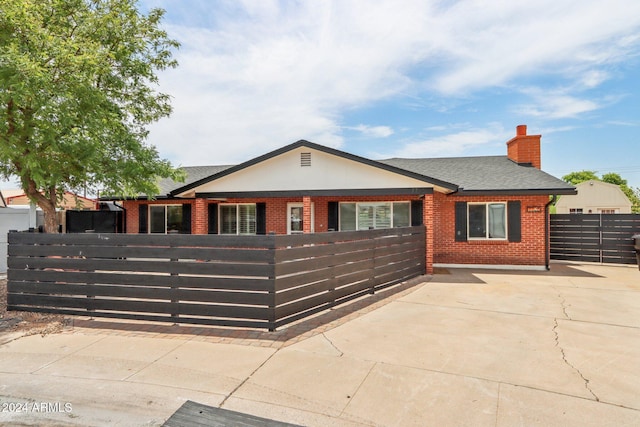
[271,317]
[374,258]
[175,302]
[90,297]
[601,243]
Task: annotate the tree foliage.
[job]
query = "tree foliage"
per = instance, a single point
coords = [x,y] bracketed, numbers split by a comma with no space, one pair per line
[77,92]
[574,178]
[611,178]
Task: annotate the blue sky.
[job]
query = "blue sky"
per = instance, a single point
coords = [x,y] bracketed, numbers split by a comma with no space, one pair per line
[404,78]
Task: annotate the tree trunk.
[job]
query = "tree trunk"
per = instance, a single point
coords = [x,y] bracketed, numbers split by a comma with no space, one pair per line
[47,204]
[50,218]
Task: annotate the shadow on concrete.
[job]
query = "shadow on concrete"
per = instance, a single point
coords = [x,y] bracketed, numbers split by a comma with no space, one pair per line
[285,335]
[468,275]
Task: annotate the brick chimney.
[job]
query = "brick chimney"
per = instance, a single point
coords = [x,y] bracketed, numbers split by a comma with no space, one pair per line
[524,149]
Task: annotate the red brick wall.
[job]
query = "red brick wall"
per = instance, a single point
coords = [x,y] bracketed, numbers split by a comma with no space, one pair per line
[438,214]
[529,251]
[131,207]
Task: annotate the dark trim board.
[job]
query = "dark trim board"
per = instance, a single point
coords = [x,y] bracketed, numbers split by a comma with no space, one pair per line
[317,193]
[516,192]
[192,414]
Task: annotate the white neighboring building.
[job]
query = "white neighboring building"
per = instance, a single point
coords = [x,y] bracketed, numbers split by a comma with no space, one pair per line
[595,197]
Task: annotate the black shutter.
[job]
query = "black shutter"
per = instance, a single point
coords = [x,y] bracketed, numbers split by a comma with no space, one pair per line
[332,218]
[461,221]
[514,220]
[416,212]
[143,219]
[261,218]
[186,219]
[213,218]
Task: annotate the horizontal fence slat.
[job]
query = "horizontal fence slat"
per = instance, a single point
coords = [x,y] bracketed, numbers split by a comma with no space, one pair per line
[170,267]
[123,252]
[149,317]
[144,306]
[176,240]
[214,283]
[154,293]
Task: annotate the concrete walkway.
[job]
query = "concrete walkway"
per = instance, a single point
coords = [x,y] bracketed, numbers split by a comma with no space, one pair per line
[467,348]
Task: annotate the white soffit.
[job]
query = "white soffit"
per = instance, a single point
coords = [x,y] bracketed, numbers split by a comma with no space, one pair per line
[295,170]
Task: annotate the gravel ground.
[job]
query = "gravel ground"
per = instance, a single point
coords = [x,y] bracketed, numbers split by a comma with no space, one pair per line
[25,322]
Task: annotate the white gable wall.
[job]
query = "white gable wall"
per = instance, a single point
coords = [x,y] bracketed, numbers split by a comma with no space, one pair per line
[327,172]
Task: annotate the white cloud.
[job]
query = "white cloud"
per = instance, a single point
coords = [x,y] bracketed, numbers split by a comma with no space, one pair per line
[256,75]
[372,131]
[452,143]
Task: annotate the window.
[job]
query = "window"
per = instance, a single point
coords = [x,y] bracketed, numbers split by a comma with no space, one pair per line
[369,216]
[487,220]
[608,211]
[165,218]
[575,210]
[238,219]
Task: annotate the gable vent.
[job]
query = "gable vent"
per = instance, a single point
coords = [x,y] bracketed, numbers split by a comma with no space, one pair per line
[305,159]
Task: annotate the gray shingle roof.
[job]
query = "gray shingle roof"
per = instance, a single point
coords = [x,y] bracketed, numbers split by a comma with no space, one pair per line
[487,173]
[194,173]
[469,174]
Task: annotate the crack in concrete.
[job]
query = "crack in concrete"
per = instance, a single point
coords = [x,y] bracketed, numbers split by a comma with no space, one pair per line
[333,345]
[563,303]
[564,358]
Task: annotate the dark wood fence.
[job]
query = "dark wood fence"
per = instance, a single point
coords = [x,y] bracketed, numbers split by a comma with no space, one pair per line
[97,221]
[602,238]
[239,281]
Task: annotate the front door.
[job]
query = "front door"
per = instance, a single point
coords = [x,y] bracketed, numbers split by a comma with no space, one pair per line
[295,221]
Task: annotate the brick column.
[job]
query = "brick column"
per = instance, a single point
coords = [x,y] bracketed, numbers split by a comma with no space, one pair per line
[427,219]
[199,217]
[306,214]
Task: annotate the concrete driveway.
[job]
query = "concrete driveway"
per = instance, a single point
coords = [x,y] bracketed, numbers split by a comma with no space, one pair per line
[466,348]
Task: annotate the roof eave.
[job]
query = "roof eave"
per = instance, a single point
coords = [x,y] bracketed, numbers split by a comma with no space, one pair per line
[518,192]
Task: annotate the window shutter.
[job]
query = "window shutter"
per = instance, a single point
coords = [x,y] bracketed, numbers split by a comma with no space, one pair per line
[143,219]
[186,219]
[332,219]
[514,220]
[213,218]
[461,221]
[416,212]
[261,218]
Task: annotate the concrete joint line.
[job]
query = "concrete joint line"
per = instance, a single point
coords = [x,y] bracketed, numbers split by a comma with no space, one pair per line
[66,355]
[154,361]
[332,344]
[350,398]
[564,358]
[498,404]
[246,379]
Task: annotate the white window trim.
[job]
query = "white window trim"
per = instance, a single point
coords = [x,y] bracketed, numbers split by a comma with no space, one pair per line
[300,205]
[220,205]
[376,203]
[166,216]
[506,221]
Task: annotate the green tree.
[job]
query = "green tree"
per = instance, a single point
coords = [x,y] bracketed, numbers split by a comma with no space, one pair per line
[578,177]
[77,92]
